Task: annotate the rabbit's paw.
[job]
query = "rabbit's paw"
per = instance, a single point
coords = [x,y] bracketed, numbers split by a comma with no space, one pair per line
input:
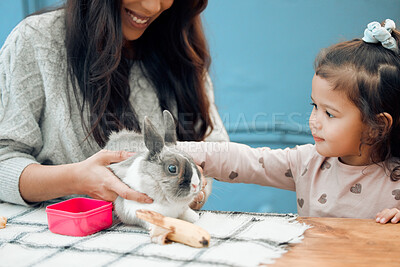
[189,215]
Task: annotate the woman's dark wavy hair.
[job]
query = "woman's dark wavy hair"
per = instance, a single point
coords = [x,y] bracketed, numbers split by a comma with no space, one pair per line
[173,53]
[369,75]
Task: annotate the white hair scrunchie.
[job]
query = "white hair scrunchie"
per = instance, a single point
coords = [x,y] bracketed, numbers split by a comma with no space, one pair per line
[375,33]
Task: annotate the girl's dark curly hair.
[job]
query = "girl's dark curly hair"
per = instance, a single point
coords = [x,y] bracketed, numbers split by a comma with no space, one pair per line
[370,76]
[172,52]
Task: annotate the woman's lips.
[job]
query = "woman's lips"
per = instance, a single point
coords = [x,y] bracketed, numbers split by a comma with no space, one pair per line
[136,20]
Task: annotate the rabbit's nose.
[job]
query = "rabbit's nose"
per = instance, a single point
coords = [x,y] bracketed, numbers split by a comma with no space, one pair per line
[194,186]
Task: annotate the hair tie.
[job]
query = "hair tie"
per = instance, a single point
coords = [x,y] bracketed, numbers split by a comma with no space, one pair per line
[375,33]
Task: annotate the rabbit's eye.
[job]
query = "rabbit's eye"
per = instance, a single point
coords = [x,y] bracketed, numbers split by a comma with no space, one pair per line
[172,169]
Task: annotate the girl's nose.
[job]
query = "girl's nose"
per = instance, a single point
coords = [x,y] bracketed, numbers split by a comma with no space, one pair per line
[152,6]
[314,120]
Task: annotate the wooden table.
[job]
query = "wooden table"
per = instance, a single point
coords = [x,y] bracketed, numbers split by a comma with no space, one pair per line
[345,242]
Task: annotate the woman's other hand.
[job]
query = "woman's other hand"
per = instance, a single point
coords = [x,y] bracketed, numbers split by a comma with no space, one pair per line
[94,179]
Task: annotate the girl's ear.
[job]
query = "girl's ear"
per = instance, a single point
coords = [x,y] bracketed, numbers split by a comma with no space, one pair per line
[386,122]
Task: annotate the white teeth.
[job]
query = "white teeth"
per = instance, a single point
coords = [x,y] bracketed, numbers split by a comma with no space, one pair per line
[137,20]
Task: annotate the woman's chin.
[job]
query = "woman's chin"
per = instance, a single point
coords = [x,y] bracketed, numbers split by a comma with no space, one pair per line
[132,36]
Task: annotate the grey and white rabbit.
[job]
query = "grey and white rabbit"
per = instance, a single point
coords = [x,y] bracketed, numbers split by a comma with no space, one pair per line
[167,175]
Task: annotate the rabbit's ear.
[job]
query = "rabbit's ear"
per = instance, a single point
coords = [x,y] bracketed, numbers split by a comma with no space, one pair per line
[170,128]
[152,139]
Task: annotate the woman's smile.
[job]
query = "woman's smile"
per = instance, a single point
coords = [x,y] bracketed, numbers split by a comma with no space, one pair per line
[136,20]
[137,15]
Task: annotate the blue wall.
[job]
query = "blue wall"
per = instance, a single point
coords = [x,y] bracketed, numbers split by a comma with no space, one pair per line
[263,51]
[13,11]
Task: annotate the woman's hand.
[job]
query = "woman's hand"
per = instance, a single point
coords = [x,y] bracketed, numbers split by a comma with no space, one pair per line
[93,178]
[388,214]
[201,197]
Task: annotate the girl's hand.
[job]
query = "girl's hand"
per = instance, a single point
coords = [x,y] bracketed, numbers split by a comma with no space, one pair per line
[93,178]
[201,197]
[388,214]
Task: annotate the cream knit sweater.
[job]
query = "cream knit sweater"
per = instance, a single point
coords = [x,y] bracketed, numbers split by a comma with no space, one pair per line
[36,123]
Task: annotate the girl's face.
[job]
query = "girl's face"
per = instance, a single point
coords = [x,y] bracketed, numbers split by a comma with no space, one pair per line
[137,15]
[336,125]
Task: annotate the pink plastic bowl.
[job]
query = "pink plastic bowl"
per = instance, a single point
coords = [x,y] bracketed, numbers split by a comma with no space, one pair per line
[79,216]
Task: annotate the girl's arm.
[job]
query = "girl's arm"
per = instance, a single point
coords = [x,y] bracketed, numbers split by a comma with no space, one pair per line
[238,163]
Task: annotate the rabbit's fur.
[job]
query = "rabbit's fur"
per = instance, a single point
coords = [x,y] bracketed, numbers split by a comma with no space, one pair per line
[167,175]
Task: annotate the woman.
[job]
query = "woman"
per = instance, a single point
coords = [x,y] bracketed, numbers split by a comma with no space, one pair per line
[71,76]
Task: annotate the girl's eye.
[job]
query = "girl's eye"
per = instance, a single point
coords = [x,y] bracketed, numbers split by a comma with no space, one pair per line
[329,114]
[314,105]
[172,169]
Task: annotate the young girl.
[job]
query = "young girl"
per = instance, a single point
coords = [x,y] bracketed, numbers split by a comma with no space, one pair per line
[71,76]
[353,170]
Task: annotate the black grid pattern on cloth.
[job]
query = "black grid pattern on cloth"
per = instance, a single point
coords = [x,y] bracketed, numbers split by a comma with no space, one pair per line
[121,256]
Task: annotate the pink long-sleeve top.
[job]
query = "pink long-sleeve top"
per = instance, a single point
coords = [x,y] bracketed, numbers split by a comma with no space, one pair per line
[325,187]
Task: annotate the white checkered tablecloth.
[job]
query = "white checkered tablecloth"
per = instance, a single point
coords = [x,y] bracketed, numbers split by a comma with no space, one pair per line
[237,239]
